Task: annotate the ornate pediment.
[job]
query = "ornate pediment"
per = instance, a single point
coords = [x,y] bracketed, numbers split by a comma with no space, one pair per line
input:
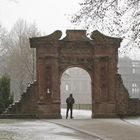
[100,38]
[42,40]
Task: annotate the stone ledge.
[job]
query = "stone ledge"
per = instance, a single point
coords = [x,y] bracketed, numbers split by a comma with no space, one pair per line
[18,116]
[29,116]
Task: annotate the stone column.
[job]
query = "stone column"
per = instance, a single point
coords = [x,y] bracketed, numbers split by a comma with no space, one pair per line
[95,87]
[104,105]
[55,81]
[41,71]
[55,88]
[112,80]
[96,81]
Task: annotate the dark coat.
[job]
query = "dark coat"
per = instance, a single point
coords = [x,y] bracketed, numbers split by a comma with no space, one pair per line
[70,101]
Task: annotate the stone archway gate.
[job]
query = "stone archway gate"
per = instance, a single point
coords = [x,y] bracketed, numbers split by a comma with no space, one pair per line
[98,55]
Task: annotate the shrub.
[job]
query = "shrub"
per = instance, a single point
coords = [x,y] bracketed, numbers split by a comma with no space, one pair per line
[5,97]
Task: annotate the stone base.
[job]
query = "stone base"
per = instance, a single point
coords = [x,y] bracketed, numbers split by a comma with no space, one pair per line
[18,116]
[29,116]
[49,116]
[108,115]
[49,111]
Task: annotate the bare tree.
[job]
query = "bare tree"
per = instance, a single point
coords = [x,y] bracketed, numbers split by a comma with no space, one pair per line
[3,34]
[119,18]
[19,57]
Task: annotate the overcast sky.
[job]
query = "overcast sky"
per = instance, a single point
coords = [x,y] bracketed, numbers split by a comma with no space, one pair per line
[49,15]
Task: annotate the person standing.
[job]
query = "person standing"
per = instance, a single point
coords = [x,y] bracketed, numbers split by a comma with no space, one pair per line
[70,101]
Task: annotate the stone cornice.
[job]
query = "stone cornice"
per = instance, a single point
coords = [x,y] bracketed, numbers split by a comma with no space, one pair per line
[74,36]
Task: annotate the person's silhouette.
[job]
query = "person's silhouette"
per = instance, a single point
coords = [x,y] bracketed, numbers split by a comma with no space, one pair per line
[70,101]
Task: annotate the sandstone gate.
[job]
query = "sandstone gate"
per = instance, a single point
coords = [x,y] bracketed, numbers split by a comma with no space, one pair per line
[98,55]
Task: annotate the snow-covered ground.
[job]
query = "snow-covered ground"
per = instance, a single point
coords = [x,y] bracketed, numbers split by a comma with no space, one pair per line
[86,114]
[12,129]
[133,120]
[37,130]
[32,130]
[78,114]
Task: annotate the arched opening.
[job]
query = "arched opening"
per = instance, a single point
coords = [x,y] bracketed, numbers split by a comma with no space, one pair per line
[77,81]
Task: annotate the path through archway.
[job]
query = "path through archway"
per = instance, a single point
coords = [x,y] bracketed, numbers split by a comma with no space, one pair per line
[77,81]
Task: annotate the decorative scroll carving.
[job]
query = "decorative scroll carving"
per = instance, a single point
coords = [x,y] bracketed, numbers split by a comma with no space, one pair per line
[103,39]
[38,41]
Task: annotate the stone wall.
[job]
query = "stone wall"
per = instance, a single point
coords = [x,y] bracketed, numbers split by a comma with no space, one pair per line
[134,107]
[26,107]
[126,106]
[29,107]
[122,97]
